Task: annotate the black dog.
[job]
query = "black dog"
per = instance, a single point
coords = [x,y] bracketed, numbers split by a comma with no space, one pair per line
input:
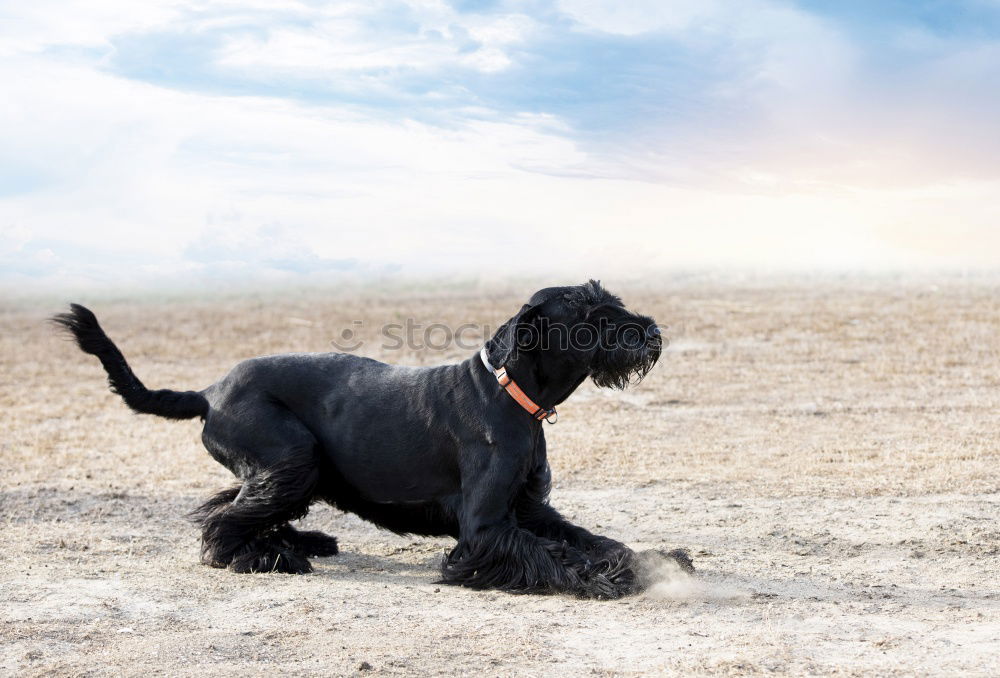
[455,450]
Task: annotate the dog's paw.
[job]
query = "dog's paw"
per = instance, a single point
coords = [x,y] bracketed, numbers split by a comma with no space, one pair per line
[682,558]
[316,544]
[270,559]
[602,587]
[612,577]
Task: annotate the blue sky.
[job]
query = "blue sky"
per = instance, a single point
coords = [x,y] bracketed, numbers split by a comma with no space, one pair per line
[273,140]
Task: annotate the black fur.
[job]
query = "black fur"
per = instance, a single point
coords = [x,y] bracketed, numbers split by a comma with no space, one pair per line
[83,326]
[432,451]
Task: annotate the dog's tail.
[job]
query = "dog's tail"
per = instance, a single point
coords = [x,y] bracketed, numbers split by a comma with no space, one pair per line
[82,324]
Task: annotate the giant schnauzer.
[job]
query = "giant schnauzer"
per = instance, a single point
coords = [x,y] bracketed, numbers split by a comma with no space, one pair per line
[456,450]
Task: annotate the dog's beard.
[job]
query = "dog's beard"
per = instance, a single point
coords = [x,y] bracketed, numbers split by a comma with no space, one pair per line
[621,367]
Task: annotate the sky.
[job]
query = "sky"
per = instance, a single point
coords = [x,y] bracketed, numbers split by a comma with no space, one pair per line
[164,141]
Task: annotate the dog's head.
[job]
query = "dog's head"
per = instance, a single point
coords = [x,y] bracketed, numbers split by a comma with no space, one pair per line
[580,328]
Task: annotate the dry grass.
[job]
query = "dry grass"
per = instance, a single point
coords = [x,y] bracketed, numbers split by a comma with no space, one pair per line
[823,389]
[789,426]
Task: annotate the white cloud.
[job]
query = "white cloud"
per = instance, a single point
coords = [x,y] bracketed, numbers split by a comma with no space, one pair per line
[39,24]
[111,178]
[642,16]
[146,172]
[341,41]
[198,181]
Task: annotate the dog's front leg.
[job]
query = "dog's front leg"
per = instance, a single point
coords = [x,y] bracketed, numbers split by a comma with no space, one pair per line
[544,521]
[609,558]
[494,552]
[535,514]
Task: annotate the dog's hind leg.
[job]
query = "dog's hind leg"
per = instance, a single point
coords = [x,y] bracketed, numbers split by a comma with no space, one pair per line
[245,534]
[275,455]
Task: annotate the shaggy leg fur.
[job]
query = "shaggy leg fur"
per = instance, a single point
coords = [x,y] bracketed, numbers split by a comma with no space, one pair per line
[512,559]
[622,567]
[545,521]
[308,543]
[611,563]
[611,570]
[218,502]
[244,534]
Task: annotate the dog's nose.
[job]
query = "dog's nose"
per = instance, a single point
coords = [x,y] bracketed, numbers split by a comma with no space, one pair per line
[652,331]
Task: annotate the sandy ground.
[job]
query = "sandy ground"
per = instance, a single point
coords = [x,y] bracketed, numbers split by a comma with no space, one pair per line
[827,450]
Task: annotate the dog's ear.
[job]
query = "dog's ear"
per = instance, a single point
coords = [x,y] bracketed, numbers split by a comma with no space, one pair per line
[512,335]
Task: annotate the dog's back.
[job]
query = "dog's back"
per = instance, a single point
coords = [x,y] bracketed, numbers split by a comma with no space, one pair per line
[345,403]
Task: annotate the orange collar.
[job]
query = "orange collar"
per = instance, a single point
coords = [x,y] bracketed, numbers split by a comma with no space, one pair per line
[539,413]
